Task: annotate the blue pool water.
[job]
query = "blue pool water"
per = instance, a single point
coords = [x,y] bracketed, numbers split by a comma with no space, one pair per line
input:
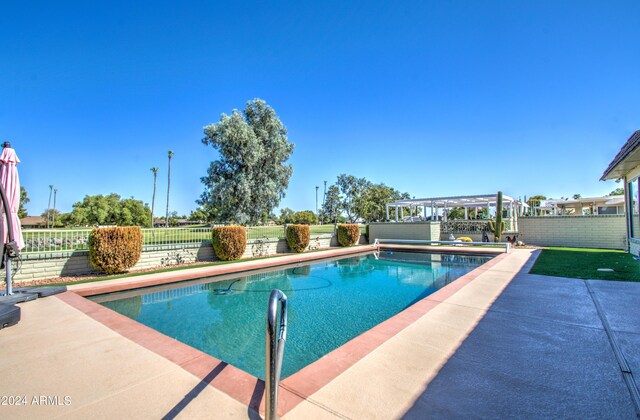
[329,303]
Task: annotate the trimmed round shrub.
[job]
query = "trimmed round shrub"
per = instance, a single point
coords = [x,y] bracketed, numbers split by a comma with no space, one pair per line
[348,234]
[229,242]
[115,249]
[464,239]
[298,237]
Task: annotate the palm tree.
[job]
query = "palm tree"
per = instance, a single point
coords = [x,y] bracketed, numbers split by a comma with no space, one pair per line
[49,205]
[169,185]
[55,193]
[153,199]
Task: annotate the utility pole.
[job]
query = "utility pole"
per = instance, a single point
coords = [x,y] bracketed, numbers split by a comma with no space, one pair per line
[324,198]
[317,199]
[55,193]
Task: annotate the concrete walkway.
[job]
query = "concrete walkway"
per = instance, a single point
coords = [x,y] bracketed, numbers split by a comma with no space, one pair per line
[541,351]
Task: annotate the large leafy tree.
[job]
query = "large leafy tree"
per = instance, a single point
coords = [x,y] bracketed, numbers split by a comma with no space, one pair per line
[332,207]
[24,199]
[351,189]
[198,215]
[370,204]
[251,175]
[110,210]
[617,191]
[55,216]
[286,215]
[305,217]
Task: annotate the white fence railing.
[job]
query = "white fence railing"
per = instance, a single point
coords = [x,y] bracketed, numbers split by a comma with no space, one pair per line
[68,240]
[469,226]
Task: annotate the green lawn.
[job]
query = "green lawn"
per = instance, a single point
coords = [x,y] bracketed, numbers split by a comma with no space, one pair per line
[583,263]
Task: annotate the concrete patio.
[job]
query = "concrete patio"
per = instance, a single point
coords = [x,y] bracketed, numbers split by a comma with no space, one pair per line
[500,344]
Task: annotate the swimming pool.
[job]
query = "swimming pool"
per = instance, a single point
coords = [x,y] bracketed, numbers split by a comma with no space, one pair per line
[330,303]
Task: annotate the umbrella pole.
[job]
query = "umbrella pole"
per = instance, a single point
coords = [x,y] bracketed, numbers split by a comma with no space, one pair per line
[7,266]
[6,252]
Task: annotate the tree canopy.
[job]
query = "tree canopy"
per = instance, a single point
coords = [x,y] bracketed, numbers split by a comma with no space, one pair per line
[109,210]
[250,176]
[332,207]
[305,217]
[370,204]
[24,199]
[358,198]
[617,191]
[534,201]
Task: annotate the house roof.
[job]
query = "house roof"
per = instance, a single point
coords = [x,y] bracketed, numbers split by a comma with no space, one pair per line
[33,220]
[627,158]
[607,200]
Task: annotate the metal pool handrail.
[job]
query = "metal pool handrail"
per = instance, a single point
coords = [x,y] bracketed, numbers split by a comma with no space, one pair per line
[274,351]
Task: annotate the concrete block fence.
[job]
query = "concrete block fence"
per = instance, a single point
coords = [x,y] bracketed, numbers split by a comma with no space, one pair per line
[75,263]
[598,231]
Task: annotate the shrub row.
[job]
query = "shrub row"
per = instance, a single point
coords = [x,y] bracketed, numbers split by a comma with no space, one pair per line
[115,249]
[298,237]
[348,234]
[229,242]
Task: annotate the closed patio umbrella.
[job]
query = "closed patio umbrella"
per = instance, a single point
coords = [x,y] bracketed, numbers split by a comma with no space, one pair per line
[10,183]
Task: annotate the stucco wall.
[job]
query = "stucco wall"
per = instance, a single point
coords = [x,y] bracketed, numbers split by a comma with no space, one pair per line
[414,231]
[574,231]
[41,266]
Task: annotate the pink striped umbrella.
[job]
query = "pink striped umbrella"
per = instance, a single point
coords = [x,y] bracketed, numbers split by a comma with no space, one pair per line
[11,184]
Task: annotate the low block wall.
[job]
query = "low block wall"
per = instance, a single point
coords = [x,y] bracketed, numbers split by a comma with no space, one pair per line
[603,231]
[425,231]
[42,266]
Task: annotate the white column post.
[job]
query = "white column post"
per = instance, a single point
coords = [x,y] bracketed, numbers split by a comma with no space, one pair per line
[511,216]
[396,212]
[386,206]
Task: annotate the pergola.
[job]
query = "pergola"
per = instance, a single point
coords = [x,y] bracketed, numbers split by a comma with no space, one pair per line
[437,205]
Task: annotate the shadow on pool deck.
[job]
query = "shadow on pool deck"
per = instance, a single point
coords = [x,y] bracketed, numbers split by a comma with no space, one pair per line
[191,395]
[541,351]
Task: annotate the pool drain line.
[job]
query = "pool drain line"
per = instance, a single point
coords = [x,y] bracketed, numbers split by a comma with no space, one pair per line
[617,351]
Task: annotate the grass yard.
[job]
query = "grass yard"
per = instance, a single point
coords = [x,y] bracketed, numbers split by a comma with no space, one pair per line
[583,263]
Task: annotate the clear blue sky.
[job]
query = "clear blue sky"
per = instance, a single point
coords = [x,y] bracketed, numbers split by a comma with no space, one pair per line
[431,97]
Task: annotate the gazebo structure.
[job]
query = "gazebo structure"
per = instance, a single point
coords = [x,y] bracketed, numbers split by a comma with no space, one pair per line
[437,208]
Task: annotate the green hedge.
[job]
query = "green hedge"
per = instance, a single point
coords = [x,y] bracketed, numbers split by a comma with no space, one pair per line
[229,242]
[115,249]
[348,234]
[298,237]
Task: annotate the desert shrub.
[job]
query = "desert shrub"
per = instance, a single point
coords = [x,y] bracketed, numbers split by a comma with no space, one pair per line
[348,234]
[229,242]
[465,239]
[298,237]
[115,249]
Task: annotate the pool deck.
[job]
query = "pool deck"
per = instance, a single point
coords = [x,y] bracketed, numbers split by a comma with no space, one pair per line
[498,342]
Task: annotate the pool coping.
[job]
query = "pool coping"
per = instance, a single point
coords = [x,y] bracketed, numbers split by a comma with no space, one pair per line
[238,384]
